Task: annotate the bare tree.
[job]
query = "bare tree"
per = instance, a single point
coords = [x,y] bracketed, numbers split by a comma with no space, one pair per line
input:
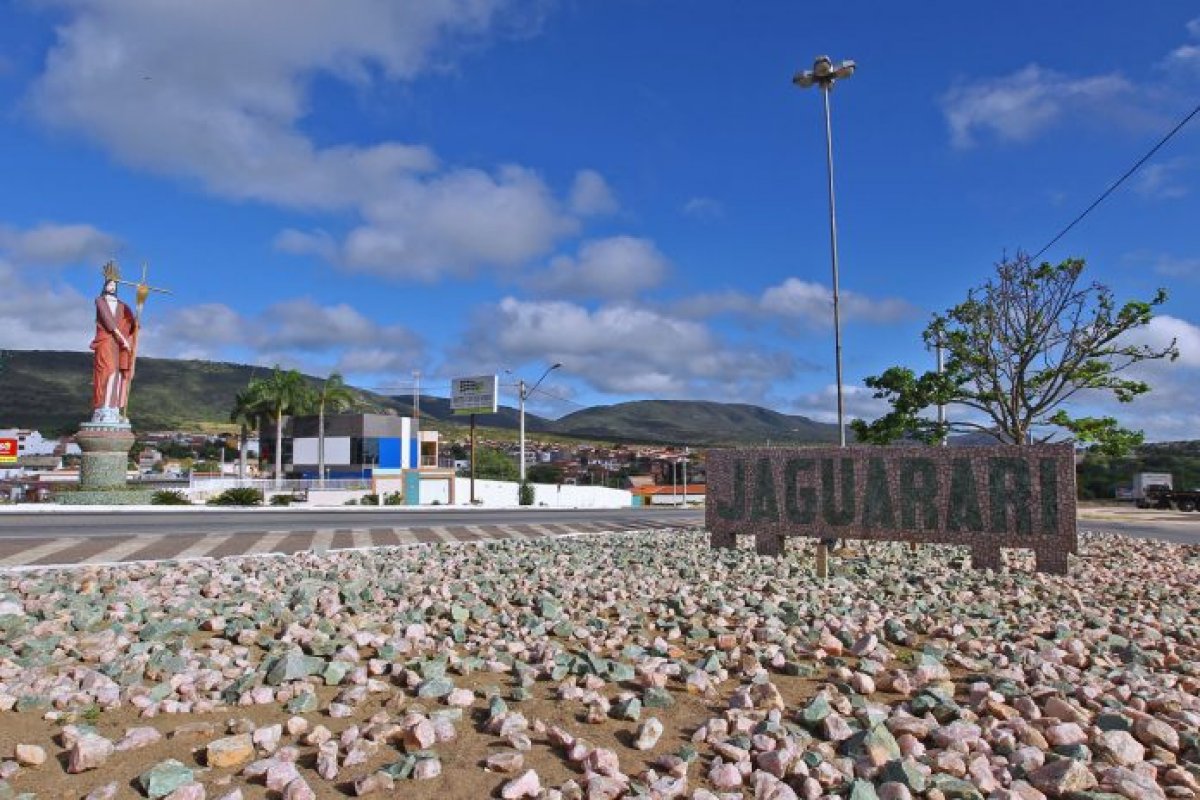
[1019,349]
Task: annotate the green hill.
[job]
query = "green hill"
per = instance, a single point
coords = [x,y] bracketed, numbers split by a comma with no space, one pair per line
[694,422]
[50,391]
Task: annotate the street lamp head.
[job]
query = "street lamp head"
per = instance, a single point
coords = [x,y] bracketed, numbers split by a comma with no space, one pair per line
[557,364]
[823,73]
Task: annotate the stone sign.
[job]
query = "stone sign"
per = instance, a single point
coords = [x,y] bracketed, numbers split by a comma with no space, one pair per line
[987,498]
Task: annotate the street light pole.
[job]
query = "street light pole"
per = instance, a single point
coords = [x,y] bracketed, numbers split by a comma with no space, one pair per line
[524,392]
[823,75]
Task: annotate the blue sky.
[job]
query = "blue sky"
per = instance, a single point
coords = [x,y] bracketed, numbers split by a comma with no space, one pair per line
[632,188]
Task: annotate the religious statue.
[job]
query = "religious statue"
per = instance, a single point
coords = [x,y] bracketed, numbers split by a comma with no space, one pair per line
[113,345]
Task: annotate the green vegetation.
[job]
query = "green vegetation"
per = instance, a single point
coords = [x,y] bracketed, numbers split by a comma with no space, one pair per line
[1018,349]
[240,496]
[693,423]
[525,494]
[493,464]
[170,497]
[1099,474]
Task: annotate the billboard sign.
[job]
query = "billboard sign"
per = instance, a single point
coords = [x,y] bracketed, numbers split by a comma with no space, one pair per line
[475,395]
[986,498]
[8,451]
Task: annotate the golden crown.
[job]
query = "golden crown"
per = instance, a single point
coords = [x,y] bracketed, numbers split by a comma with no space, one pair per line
[112,272]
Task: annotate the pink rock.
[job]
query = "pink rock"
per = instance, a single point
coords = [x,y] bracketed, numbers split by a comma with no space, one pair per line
[525,785]
[775,762]
[280,774]
[420,736]
[461,698]
[427,769]
[106,792]
[1120,748]
[1062,776]
[90,751]
[603,761]
[136,738]
[1132,784]
[30,755]
[508,761]
[298,789]
[189,791]
[1067,733]
[893,791]
[603,787]
[725,776]
[1153,732]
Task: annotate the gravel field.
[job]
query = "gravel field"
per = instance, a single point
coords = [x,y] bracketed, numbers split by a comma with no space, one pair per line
[638,665]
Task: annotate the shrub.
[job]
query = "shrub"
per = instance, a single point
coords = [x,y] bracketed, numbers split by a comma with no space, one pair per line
[240,496]
[369,500]
[525,494]
[169,497]
[393,499]
[281,499]
[350,502]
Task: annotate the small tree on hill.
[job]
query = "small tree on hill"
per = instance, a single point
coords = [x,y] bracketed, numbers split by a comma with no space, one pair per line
[1018,349]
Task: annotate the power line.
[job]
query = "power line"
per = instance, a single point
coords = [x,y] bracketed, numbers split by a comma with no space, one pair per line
[1129,172]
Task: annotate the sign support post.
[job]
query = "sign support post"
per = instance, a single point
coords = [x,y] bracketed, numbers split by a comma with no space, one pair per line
[472,459]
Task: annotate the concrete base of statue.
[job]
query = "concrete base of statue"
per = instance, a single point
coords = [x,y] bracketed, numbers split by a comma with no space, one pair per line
[105,459]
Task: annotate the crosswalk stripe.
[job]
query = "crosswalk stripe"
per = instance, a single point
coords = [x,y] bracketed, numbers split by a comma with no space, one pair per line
[360,538]
[443,533]
[39,552]
[267,542]
[117,552]
[204,546]
[513,532]
[321,540]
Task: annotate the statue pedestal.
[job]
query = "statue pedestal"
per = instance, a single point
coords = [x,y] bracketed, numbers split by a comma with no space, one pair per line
[105,447]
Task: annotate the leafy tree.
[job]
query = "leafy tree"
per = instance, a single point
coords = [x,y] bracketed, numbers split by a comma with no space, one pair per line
[283,392]
[335,395]
[248,405]
[1018,349]
[495,464]
[544,473]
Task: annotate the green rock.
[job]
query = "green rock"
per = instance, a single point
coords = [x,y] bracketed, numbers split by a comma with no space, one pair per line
[954,788]
[335,672]
[459,613]
[302,703]
[862,790]
[877,740]
[402,769]
[520,694]
[1114,722]
[816,711]
[655,697]
[32,702]
[432,668]
[903,771]
[630,709]
[617,671]
[164,778]
[293,667]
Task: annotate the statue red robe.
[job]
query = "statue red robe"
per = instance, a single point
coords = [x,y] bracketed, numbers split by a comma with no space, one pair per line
[110,356]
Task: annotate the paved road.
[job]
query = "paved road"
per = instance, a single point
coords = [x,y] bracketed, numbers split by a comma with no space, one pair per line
[74,537]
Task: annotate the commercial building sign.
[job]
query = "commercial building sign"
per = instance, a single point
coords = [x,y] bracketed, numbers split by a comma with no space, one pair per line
[477,395]
[8,451]
[986,498]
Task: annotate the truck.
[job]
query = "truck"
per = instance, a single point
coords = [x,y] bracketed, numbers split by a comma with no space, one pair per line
[1156,490]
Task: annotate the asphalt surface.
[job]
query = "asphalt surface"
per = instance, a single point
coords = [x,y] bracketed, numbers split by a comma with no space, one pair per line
[65,537]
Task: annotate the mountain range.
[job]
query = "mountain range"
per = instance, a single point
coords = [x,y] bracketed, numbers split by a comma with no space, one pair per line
[50,391]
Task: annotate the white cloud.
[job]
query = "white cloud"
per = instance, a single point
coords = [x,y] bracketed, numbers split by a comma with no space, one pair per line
[797,302]
[43,315]
[1165,180]
[214,92]
[55,245]
[703,208]
[1165,264]
[591,195]
[1186,57]
[1017,107]
[620,349]
[859,403]
[617,267]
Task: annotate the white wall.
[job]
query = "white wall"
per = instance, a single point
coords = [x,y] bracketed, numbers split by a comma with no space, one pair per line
[504,493]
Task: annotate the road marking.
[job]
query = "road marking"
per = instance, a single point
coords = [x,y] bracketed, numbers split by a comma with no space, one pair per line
[39,552]
[202,547]
[267,542]
[360,538]
[117,552]
[321,540]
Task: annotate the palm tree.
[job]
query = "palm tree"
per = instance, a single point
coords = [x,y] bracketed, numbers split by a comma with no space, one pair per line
[335,395]
[283,393]
[247,407]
